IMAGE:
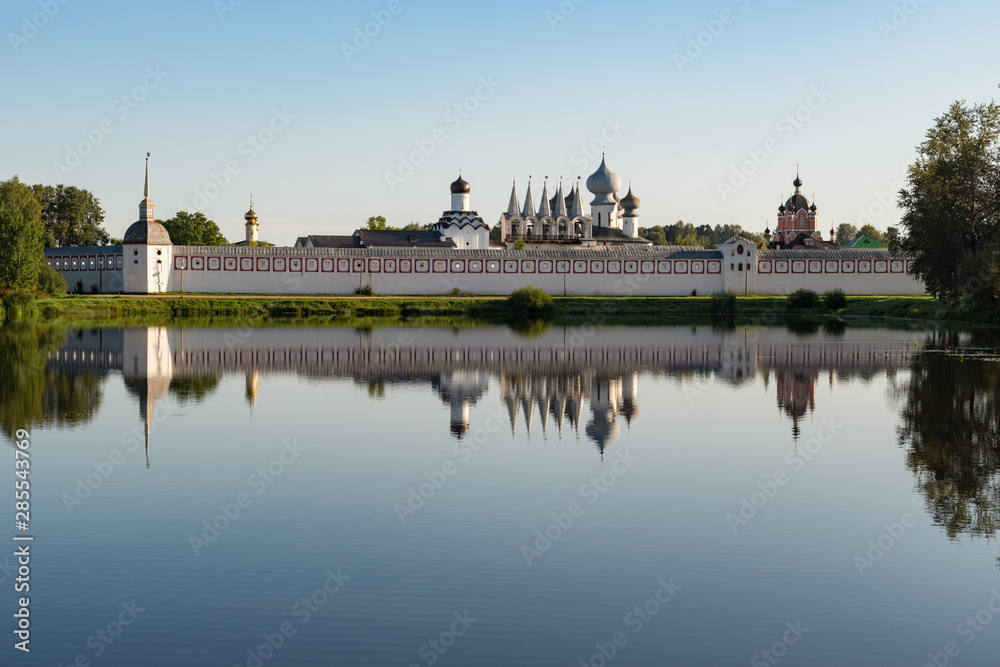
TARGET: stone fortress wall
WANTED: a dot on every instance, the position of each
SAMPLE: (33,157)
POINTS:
(656,271)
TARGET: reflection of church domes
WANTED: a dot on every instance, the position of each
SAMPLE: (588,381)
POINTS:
(796,396)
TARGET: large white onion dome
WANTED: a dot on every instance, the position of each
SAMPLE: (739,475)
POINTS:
(604,181)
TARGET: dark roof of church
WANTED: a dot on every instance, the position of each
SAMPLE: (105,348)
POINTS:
(615,235)
(386,238)
(330,241)
(804,241)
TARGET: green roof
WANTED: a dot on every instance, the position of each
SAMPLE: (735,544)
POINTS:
(864,242)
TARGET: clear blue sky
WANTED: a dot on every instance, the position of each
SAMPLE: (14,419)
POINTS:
(680,130)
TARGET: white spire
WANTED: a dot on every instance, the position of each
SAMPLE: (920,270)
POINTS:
(146,205)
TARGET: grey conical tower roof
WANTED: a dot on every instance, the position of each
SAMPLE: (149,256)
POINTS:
(513,206)
(545,211)
(529,204)
(577,210)
(560,211)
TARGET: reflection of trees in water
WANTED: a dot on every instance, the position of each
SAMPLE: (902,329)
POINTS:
(951,429)
(193,389)
(32,396)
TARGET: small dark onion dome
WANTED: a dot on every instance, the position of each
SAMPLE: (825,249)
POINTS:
(797,182)
(460,187)
(146,233)
(767,231)
(631,202)
(813,208)
(782,209)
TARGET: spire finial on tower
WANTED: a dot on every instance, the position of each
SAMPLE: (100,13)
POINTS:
(146,189)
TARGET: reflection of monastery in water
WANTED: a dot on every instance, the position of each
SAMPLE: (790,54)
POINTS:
(562,383)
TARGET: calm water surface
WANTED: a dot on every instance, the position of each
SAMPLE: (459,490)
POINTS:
(655,496)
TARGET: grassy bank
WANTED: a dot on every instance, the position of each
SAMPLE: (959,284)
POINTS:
(456,310)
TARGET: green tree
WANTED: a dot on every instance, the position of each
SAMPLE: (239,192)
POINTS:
(950,205)
(846,232)
(416,227)
(72,217)
(894,240)
(949,426)
(654,234)
(21,233)
(377,223)
(193,229)
(874,233)
(723,232)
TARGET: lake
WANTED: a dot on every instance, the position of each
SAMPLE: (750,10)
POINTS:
(484,496)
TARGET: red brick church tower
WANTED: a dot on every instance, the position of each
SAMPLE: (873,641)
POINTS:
(797,223)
